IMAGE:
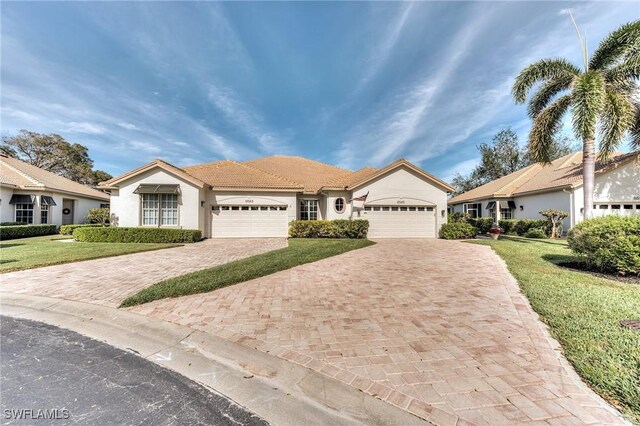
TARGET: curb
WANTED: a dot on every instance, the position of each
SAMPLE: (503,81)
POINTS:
(280,392)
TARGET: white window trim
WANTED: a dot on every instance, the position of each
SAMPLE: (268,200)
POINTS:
(344,205)
(317,211)
(15,212)
(159,212)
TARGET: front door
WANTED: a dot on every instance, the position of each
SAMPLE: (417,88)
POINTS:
(67,211)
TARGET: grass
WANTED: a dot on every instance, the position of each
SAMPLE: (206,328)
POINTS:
(583,313)
(27,253)
(299,251)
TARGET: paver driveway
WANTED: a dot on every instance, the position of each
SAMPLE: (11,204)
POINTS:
(109,281)
(435,327)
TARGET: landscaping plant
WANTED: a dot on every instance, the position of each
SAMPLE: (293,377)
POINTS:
(114,234)
(457,231)
(25,231)
(98,215)
(339,228)
(608,243)
(555,220)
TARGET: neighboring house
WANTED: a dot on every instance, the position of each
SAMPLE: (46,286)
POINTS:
(259,198)
(522,194)
(34,195)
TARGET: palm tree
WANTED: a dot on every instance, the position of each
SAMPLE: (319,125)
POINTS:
(603,97)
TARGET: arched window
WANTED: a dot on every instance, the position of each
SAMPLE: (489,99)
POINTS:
(339,205)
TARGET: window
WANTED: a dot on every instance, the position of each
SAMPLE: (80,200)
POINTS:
(44,213)
(628,206)
(339,205)
(24,213)
(615,206)
(104,205)
(473,210)
(308,209)
(603,206)
(159,209)
(506,213)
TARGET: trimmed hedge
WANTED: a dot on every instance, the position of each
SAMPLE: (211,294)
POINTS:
(457,231)
(522,226)
(13,223)
(482,224)
(114,234)
(26,231)
(535,233)
(68,229)
(339,228)
(608,243)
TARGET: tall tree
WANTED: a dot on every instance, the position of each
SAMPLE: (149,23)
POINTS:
(504,155)
(53,153)
(599,97)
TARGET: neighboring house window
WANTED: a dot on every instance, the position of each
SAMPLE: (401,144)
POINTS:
(159,209)
(44,214)
(506,213)
(339,205)
(24,213)
(104,205)
(473,210)
(308,209)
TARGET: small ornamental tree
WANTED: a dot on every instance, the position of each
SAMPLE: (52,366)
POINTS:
(555,219)
(98,215)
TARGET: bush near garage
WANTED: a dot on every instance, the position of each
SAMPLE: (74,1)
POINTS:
(68,229)
(25,231)
(339,228)
(608,243)
(135,235)
(458,217)
(482,224)
(457,231)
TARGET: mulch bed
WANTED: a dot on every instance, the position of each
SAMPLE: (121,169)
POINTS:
(583,267)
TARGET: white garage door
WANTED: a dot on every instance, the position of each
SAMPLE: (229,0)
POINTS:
(249,221)
(400,222)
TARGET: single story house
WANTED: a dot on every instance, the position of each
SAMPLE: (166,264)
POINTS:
(34,195)
(522,194)
(259,198)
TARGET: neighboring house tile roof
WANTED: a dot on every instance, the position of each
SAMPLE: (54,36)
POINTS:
(231,174)
(26,176)
(312,175)
(273,173)
(563,172)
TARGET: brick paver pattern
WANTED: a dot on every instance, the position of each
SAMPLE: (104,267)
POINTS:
(108,281)
(438,328)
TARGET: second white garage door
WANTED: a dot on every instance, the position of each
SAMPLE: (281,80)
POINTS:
(249,221)
(400,222)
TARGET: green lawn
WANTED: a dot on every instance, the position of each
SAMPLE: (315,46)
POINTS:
(583,312)
(27,253)
(299,251)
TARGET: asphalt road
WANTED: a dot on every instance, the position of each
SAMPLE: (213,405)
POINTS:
(62,375)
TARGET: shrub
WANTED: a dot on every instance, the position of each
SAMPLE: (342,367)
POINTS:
(340,228)
(135,235)
(608,243)
(482,224)
(522,226)
(458,217)
(536,233)
(457,231)
(554,218)
(68,229)
(25,231)
(13,223)
(508,225)
(98,215)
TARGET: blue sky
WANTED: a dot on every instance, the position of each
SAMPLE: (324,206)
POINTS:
(351,84)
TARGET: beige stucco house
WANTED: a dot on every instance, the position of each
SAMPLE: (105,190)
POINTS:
(33,195)
(522,194)
(259,198)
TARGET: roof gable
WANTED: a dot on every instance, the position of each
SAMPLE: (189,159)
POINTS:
(114,182)
(27,176)
(395,165)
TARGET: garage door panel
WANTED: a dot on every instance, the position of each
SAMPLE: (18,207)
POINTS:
(400,222)
(236,222)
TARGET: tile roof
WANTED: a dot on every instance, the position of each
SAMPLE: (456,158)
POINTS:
(346,180)
(231,174)
(155,163)
(561,173)
(27,176)
(312,175)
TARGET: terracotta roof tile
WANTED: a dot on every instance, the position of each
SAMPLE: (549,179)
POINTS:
(27,176)
(346,180)
(231,174)
(312,175)
(563,172)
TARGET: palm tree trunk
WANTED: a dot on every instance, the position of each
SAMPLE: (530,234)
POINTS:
(588,174)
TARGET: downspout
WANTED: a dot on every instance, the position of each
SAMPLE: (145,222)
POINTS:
(572,210)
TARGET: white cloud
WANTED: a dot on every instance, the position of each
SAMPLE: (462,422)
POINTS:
(128,126)
(84,127)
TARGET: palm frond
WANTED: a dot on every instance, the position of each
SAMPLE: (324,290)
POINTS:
(628,70)
(545,126)
(546,93)
(635,127)
(616,119)
(588,98)
(543,70)
(616,45)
